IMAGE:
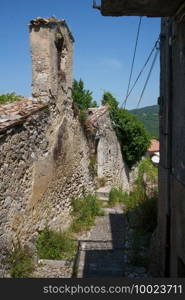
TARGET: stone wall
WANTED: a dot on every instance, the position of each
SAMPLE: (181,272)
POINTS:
(45,156)
(45,150)
(39,178)
(110,163)
(20,147)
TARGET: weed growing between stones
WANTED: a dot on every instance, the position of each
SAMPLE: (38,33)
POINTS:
(116,196)
(21,262)
(101,182)
(55,245)
(93,165)
(61,245)
(84,211)
(139,198)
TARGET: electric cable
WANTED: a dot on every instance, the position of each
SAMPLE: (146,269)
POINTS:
(134,55)
(140,73)
(148,77)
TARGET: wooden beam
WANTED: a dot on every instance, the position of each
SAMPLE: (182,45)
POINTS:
(150,8)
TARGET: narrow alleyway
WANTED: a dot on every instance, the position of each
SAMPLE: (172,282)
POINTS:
(102,253)
(107,250)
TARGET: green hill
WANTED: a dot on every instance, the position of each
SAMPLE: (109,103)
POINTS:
(149,116)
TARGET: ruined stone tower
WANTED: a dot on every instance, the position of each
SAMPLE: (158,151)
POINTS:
(52,52)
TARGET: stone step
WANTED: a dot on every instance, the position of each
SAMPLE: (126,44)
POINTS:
(102,198)
(55,263)
(102,245)
(103,193)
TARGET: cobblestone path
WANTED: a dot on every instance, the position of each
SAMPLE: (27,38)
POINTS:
(101,253)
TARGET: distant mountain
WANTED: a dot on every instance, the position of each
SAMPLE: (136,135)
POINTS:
(149,116)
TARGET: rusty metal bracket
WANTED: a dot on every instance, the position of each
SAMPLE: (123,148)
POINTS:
(95,5)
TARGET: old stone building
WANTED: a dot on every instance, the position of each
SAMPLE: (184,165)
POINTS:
(45,151)
(169,254)
(44,159)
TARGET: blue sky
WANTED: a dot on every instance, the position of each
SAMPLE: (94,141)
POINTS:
(103,48)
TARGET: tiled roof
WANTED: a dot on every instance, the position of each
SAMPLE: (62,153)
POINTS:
(15,112)
(96,113)
(154,146)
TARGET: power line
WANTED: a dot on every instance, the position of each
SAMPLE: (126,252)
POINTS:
(133,60)
(140,73)
(148,77)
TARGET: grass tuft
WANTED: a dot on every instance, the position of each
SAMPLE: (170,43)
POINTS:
(55,245)
(61,245)
(21,262)
(93,165)
(84,212)
(116,196)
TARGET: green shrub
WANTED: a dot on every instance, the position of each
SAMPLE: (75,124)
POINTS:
(55,245)
(9,97)
(134,199)
(131,133)
(146,167)
(84,212)
(116,196)
(138,197)
(21,262)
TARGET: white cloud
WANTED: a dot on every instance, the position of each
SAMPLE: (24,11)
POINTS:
(111,63)
(106,63)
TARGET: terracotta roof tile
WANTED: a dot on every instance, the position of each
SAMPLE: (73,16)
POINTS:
(11,113)
(154,146)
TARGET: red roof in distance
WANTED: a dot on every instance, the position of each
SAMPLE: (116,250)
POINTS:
(154,146)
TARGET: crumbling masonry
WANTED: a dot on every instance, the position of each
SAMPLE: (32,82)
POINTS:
(45,152)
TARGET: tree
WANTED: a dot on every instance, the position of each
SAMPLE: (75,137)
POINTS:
(10,97)
(133,137)
(109,100)
(82,97)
